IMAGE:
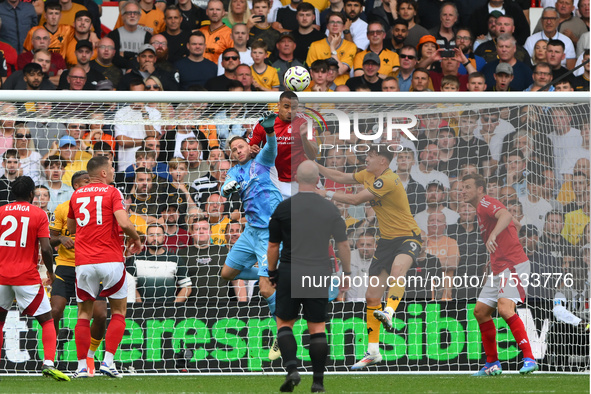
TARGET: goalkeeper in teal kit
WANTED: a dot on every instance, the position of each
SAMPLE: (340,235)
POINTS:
(255,180)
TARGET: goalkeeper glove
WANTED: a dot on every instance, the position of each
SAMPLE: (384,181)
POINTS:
(231,187)
(273,276)
(268,122)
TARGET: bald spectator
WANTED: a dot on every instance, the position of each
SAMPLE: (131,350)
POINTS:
(550,20)
(83,55)
(176,37)
(41,40)
(506,48)
(218,37)
(104,61)
(445,248)
(240,38)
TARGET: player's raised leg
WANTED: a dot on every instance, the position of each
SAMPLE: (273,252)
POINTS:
(373,298)
(401,265)
(488,332)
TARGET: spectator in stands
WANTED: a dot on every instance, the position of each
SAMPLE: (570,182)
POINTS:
(436,197)
(285,47)
(236,111)
(503,77)
(218,37)
(480,17)
(161,275)
(11,168)
(44,133)
(407,10)
(492,30)
(464,42)
(196,69)
(388,58)
(191,150)
(262,30)
(361,257)
(542,265)
(17,19)
(104,61)
(445,33)
(84,53)
(177,237)
(40,40)
(427,47)
(506,47)
(29,158)
(129,38)
(82,32)
(488,50)
(265,77)
(581,83)
(399,34)
(147,67)
(449,66)
(217,217)
(539,55)
(552,242)
(306,34)
(564,137)
(57,31)
(445,248)
(177,190)
(160,43)
(240,38)
(476,82)
(370,77)
(420,80)
(16,80)
(42,198)
(425,171)
(96,132)
(513,170)
(346,49)
(205,262)
(129,136)
(355,28)
(54,169)
(405,160)
(575,222)
(550,20)
(238,12)
(492,130)
(390,84)
(192,15)
(152,18)
(142,200)
(230,59)
(333,6)
(555,58)
(580,186)
(565,85)
(175,36)
(33,76)
(448,153)
(201,188)
(534,206)
(75,159)
(408,62)
(542,76)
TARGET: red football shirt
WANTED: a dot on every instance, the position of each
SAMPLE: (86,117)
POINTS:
(97,232)
(21,226)
(290,150)
(509,252)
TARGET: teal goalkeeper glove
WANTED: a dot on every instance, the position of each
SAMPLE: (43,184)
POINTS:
(268,122)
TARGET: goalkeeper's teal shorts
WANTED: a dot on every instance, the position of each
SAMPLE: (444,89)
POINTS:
(250,248)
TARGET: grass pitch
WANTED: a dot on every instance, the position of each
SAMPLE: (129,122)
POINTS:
(345,383)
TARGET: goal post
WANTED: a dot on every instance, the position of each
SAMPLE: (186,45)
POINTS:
(513,139)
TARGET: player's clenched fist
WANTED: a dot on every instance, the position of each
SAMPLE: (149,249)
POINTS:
(231,187)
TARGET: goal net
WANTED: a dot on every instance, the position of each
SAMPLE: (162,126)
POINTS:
(182,317)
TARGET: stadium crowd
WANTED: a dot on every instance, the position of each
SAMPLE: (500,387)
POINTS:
(348,45)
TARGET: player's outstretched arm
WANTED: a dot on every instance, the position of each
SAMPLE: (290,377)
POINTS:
(133,244)
(348,198)
(47,256)
(336,175)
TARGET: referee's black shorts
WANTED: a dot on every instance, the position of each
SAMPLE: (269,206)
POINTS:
(65,283)
(288,308)
(388,249)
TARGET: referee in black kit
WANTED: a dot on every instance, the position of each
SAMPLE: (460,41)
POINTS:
(305,223)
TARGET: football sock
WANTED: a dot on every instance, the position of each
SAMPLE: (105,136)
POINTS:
(114,335)
(48,338)
(94,344)
(395,294)
(488,331)
(518,330)
(373,325)
(288,346)
(318,352)
(82,339)
(271,302)
(251,273)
